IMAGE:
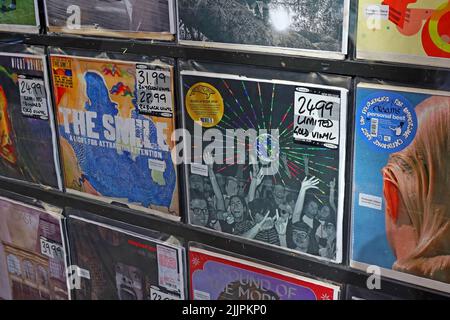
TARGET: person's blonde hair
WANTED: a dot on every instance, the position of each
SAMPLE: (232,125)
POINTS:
(421,175)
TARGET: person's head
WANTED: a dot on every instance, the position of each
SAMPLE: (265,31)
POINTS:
(311,209)
(330,227)
(196,182)
(300,236)
(198,209)
(238,208)
(259,209)
(232,186)
(416,187)
(279,192)
(324,213)
(241,187)
(285,210)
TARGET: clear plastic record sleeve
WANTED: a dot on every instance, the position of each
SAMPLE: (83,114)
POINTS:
(19,16)
(218,275)
(28,141)
(306,27)
(401,183)
(115,261)
(265,158)
(32,250)
(115,117)
(139,19)
(414,32)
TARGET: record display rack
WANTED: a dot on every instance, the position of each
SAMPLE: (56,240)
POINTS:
(435,78)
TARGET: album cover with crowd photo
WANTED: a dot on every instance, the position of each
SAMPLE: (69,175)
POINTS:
(401,184)
(139,19)
(117,264)
(27,135)
(409,31)
(216,276)
(32,253)
(115,119)
(266,160)
(19,16)
(305,27)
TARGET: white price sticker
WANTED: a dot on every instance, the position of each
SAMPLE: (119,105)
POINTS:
(51,249)
(316,116)
(154,96)
(157,165)
(168,274)
(33,97)
(157,294)
(199,169)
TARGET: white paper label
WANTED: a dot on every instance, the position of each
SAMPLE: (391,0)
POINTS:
(200,169)
(316,116)
(154,96)
(168,275)
(33,98)
(51,249)
(370,201)
(157,294)
(200,295)
(83,273)
(157,165)
(377,12)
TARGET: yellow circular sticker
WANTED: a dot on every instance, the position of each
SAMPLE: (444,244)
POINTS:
(204,104)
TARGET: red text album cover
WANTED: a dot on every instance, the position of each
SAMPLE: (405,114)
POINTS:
(115,120)
(19,16)
(409,31)
(32,254)
(215,276)
(28,149)
(139,19)
(266,160)
(401,188)
(115,264)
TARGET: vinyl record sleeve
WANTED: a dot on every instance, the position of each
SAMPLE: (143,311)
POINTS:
(139,19)
(306,27)
(285,178)
(407,31)
(32,253)
(115,132)
(28,139)
(19,16)
(357,293)
(215,276)
(115,264)
(401,184)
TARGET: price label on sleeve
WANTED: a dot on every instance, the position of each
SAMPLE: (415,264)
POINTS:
(51,249)
(317,116)
(33,98)
(154,96)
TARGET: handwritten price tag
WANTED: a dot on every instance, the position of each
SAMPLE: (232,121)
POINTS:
(51,249)
(316,116)
(154,96)
(33,98)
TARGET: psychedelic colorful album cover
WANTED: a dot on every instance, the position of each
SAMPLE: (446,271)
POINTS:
(32,255)
(215,276)
(114,264)
(19,16)
(409,31)
(140,19)
(27,135)
(304,27)
(267,160)
(401,191)
(115,120)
